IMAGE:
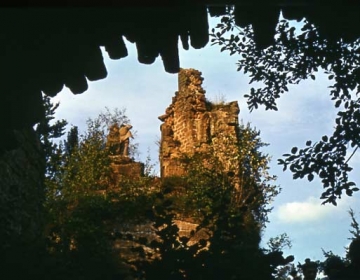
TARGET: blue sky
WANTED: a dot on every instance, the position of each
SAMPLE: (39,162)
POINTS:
(305,113)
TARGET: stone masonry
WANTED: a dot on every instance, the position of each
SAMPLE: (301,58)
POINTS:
(191,124)
(127,167)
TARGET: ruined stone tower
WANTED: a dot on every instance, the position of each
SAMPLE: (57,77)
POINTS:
(191,124)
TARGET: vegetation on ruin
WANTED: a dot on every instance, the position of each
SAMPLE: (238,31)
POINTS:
(88,213)
(86,210)
(83,203)
(230,208)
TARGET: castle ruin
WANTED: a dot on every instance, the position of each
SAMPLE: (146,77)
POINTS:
(191,124)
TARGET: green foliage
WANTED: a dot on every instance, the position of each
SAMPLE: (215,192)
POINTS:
(355,229)
(295,56)
(85,202)
(234,204)
(72,142)
(282,268)
(47,132)
(231,251)
(247,174)
(336,267)
(88,211)
(171,257)
(279,242)
(230,205)
(75,211)
(333,266)
(254,167)
(75,243)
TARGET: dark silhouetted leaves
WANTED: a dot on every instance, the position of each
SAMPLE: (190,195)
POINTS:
(296,56)
(310,177)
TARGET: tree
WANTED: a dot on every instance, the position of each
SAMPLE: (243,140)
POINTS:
(229,203)
(355,231)
(86,205)
(283,267)
(83,163)
(47,132)
(71,144)
(87,211)
(297,55)
(21,199)
(247,172)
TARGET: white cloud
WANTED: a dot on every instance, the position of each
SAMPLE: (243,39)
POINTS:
(309,210)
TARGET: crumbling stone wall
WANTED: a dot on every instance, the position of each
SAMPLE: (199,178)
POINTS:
(125,166)
(191,124)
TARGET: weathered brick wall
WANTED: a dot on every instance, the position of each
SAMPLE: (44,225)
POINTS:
(191,124)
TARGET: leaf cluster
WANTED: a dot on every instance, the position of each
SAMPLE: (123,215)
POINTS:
(295,56)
